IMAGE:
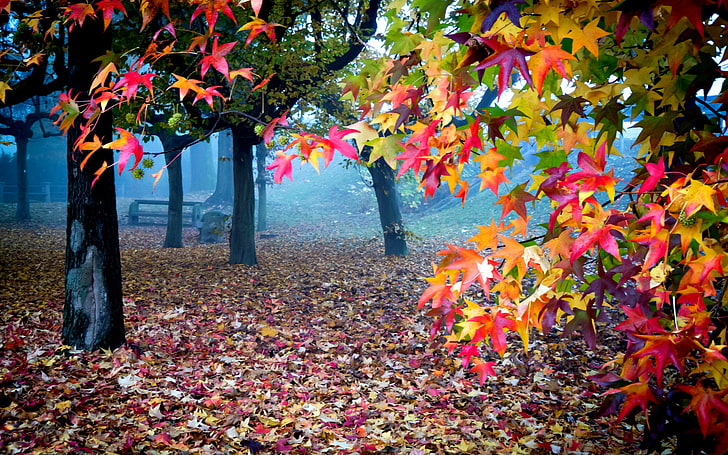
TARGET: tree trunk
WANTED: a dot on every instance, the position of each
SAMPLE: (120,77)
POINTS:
(22,210)
(390,215)
(93,311)
(242,234)
(261,152)
(223,194)
(172,148)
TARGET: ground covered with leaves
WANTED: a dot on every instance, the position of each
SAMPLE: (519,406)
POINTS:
(319,349)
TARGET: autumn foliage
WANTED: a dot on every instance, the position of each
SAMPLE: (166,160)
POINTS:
(645,254)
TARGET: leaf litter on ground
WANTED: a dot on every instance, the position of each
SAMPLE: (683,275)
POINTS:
(318,349)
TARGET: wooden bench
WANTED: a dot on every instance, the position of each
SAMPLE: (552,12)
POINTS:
(40,192)
(194,213)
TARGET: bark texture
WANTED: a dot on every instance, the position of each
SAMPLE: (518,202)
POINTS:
(389,204)
(242,234)
(93,311)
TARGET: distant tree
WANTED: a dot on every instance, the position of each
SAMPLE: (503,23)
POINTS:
(223,194)
(21,129)
(261,182)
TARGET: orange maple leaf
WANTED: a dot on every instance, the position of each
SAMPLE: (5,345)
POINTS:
(550,57)
(258,26)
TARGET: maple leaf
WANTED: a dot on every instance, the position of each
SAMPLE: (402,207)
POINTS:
(263,83)
(655,173)
(506,58)
(68,111)
(130,81)
(184,85)
(128,146)
(483,370)
(515,201)
(492,178)
(282,165)
(586,37)
(644,9)
(4,88)
(433,174)
(696,196)
(245,73)
(601,236)
(77,13)
(107,8)
(570,105)
(665,349)
(150,8)
(637,394)
(692,10)
(212,10)
(512,253)
(708,405)
(548,58)
(336,138)
(509,7)
(269,129)
(207,94)
(258,26)
(217,59)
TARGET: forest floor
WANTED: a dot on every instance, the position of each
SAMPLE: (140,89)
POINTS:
(318,349)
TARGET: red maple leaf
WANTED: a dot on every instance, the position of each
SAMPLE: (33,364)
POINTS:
(282,165)
(107,8)
(77,13)
(212,9)
(269,130)
(129,83)
(482,369)
(127,145)
(506,57)
(637,394)
(665,349)
(217,59)
(655,173)
(708,405)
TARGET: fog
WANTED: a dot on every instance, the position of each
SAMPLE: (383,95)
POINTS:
(337,202)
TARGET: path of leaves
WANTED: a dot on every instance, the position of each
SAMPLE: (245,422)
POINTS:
(319,349)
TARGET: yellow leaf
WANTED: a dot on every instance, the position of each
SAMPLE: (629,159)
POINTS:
(365,134)
(4,87)
(268,331)
(63,405)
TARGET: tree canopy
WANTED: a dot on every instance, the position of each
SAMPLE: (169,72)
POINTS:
(643,253)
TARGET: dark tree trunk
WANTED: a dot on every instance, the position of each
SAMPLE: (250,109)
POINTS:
(261,152)
(173,146)
(242,234)
(223,194)
(390,215)
(93,312)
(22,210)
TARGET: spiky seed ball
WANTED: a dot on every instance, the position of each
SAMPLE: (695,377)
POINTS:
(147,163)
(258,129)
(174,120)
(686,221)
(130,118)
(137,173)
